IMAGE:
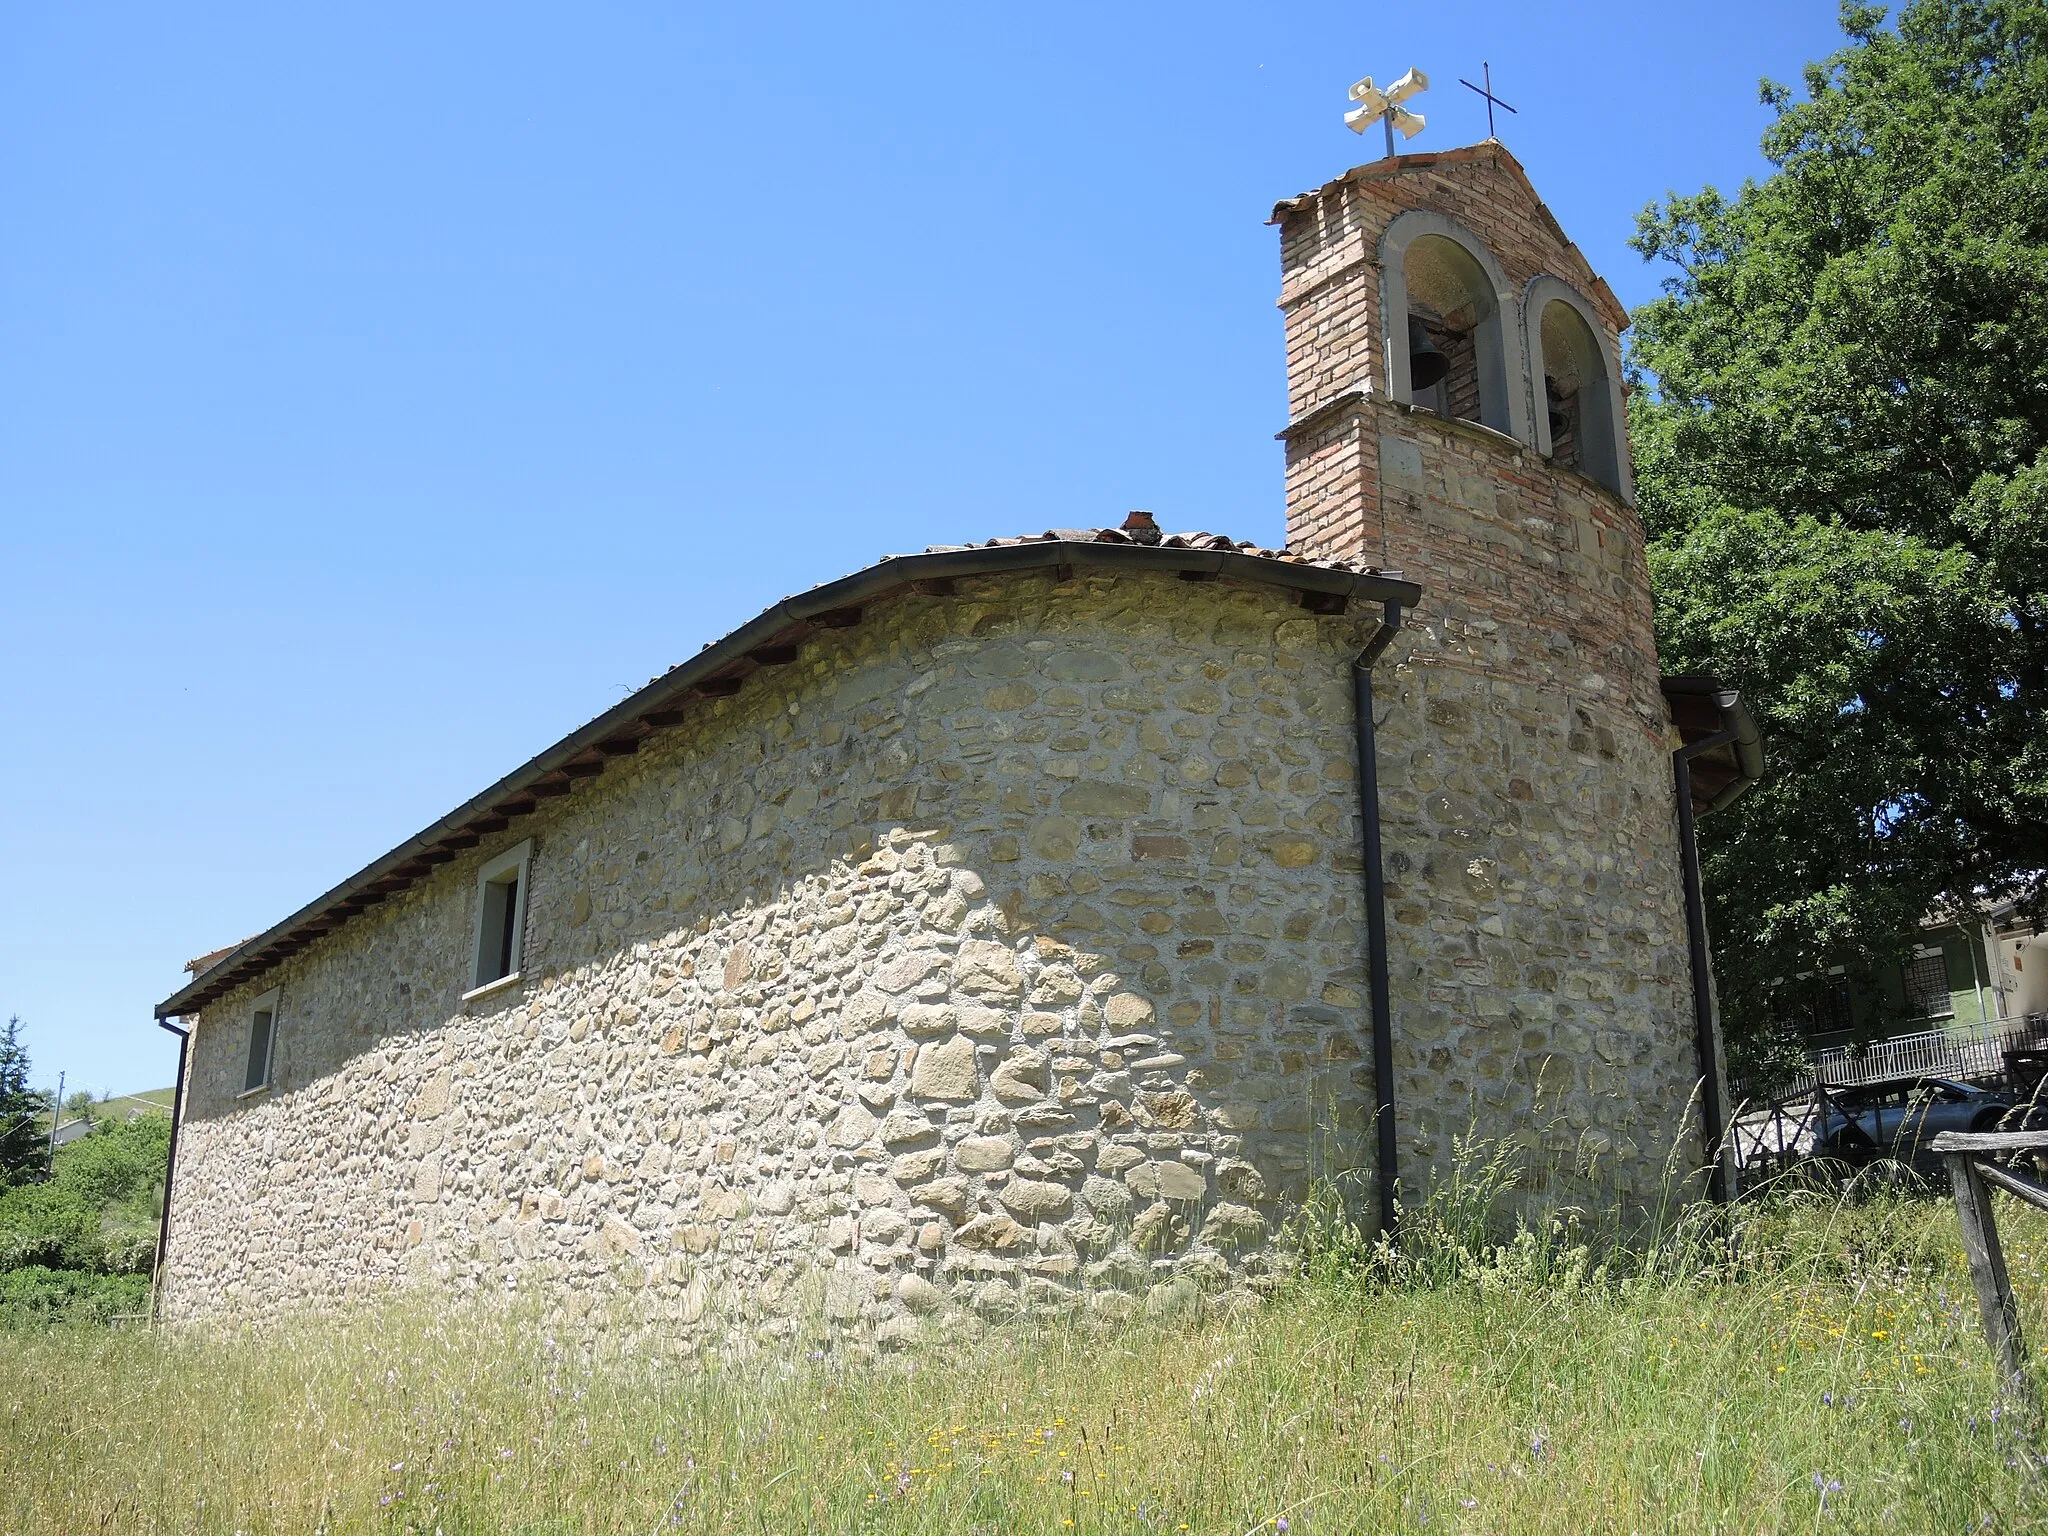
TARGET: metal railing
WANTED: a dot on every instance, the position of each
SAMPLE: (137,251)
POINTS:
(1971,1053)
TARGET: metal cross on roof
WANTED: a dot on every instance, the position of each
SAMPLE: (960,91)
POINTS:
(1492,100)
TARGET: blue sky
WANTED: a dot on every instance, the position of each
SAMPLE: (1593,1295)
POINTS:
(386,389)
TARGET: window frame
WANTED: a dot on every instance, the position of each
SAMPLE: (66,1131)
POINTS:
(1920,957)
(266,1004)
(518,861)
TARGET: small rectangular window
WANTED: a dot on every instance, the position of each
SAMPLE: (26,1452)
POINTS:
(262,1042)
(1927,994)
(500,917)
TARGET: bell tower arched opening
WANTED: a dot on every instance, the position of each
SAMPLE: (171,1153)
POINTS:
(1445,304)
(1578,401)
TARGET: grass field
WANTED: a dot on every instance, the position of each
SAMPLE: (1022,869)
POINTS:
(1833,1379)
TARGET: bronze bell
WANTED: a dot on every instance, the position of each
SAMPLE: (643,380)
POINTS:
(1426,363)
(1554,399)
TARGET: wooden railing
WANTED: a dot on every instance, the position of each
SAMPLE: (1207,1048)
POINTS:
(1777,1135)
(1974,1175)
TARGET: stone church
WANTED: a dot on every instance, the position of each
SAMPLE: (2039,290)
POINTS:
(1031,922)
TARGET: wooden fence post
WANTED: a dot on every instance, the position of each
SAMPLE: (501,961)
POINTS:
(1987,1273)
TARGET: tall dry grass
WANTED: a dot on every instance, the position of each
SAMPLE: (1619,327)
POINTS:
(1817,1367)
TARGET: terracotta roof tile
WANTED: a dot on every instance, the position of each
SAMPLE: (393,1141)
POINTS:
(1134,532)
(211,958)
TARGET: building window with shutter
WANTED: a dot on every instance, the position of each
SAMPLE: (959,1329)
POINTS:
(262,1043)
(500,920)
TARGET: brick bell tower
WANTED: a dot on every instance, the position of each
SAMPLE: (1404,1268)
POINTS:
(1455,414)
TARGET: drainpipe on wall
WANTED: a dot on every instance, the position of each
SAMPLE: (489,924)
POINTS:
(1376,913)
(163,1231)
(1705,1042)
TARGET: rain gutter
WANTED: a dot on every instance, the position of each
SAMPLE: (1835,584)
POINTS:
(163,1230)
(1388,1165)
(1739,731)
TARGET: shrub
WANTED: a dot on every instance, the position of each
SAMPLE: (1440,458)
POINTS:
(36,1296)
(98,1215)
(120,1163)
(51,1226)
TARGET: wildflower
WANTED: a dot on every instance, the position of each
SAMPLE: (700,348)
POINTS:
(1280,1523)
(1826,1485)
(1538,1446)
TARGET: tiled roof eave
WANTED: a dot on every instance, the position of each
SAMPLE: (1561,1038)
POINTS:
(718,670)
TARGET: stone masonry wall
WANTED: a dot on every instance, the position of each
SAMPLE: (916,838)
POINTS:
(1541,936)
(1536,909)
(1001,949)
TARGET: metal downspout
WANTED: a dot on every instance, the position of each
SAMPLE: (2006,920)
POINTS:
(1702,977)
(163,1231)
(1376,915)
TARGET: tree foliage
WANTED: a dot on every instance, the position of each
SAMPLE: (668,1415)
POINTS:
(1841,427)
(75,1245)
(21,1137)
(121,1163)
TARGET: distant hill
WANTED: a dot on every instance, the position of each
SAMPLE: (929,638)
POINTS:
(111,1111)
(153,1101)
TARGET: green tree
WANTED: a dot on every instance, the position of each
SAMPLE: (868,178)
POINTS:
(123,1162)
(22,1139)
(49,1225)
(1841,427)
(99,1211)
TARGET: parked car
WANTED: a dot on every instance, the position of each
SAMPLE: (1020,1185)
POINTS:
(1896,1118)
